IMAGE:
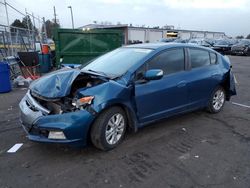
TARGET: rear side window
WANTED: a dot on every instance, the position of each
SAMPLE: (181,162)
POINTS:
(199,58)
(170,61)
(213,58)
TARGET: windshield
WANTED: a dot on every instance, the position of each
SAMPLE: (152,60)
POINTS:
(117,62)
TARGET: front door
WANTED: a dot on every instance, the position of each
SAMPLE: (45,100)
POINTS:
(156,99)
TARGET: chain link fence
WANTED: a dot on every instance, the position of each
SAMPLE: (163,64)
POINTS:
(17,39)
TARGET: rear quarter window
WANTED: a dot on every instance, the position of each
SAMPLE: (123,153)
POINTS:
(213,58)
(199,58)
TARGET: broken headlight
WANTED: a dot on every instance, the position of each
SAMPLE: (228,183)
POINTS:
(83,102)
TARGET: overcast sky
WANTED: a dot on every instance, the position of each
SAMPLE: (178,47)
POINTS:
(229,16)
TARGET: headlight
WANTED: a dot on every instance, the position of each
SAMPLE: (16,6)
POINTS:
(82,102)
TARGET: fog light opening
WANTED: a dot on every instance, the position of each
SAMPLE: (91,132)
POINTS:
(59,135)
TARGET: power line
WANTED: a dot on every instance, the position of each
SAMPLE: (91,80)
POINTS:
(15,9)
(15,3)
(21,12)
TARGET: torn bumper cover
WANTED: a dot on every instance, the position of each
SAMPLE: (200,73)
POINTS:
(38,124)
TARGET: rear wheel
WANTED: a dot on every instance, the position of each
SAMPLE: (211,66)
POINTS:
(217,100)
(109,128)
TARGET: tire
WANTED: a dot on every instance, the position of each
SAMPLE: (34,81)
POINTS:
(109,129)
(217,100)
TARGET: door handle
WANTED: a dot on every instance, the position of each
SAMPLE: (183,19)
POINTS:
(182,84)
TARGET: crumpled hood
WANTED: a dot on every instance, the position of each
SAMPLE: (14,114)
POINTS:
(56,84)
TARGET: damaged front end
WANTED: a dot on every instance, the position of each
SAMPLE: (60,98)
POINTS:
(53,111)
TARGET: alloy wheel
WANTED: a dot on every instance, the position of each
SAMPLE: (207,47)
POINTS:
(115,128)
(218,99)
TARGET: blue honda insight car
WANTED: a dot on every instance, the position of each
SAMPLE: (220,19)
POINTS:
(125,89)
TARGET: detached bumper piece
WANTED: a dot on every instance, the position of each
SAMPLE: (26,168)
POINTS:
(69,128)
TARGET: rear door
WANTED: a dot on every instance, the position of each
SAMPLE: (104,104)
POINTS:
(205,75)
(159,98)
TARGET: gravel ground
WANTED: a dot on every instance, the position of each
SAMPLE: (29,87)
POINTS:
(197,149)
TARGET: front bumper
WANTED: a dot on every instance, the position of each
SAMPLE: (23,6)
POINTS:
(37,124)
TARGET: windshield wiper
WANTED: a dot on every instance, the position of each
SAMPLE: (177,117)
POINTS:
(99,72)
(109,76)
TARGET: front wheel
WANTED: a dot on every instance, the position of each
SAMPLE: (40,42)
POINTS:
(217,100)
(109,128)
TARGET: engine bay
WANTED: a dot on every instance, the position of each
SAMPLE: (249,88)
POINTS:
(65,104)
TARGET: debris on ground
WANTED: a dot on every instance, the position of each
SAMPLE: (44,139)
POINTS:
(26,165)
(184,157)
(106,181)
(20,81)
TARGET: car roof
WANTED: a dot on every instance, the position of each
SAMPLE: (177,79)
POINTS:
(163,45)
(147,45)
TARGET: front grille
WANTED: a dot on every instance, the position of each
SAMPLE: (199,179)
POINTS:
(30,105)
(34,105)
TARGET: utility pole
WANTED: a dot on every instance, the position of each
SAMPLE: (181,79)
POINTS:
(34,23)
(8,22)
(28,25)
(55,14)
(39,30)
(45,30)
(39,25)
(33,29)
(72,19)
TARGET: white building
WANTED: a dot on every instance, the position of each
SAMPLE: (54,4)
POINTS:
(142,34)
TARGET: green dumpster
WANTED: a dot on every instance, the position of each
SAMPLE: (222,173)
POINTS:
(75,46)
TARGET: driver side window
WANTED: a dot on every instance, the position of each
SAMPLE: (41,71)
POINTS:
(170,61)
(140,72)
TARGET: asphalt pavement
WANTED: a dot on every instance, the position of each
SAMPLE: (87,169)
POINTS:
(197,149)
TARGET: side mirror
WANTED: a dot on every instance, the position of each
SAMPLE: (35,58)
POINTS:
(153,74)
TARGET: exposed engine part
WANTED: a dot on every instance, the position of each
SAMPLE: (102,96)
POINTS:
(64,105)
(84,80)
(54,108)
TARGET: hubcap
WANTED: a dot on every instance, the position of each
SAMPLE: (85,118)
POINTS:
(115,128)
(218,100)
